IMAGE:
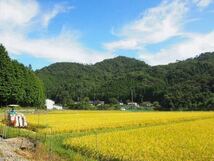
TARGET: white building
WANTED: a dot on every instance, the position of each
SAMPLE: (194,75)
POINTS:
(49,104)
(57,107)
(133,104)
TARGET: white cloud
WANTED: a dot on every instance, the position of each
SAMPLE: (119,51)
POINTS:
(57,49)
(129,44)
(155,25)
(162,23)
(17,13)
(58,8)
(20,18)
(203,3)
(194,45)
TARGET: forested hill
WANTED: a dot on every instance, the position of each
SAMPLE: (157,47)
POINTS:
(18,84)
(185,84)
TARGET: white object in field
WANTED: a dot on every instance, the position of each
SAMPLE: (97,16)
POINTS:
(17,121)
(13,105)
(123,109)
(57,107)
(20,120)
(133,104)
(49,104)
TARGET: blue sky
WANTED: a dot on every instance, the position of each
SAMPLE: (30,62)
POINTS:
(39,32)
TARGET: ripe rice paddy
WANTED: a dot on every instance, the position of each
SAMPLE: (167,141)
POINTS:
(192,140)
(127,136)
(76,121)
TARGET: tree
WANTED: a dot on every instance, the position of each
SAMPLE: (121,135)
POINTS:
(18,84)
(113,101)
(85,100)
(5,76)
(184,85)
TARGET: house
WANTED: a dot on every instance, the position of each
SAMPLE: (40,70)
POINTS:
(135,104)
(57,107)
(98,102)
(49,104)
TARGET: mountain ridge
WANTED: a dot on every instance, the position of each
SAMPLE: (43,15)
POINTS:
(118,77)
(120,57)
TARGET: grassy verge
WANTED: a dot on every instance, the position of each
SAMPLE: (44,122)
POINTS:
(42,154)
(55,145)
(47,146)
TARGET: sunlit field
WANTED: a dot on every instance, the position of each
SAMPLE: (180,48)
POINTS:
(124,135)
(193,140)
(1,118)
(74,121)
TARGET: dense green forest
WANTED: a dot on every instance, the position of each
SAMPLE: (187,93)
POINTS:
(18,84)
(184,85)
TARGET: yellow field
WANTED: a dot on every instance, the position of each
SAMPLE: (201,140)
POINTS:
(130,136)
(70,121)
(185,141)
(1,118)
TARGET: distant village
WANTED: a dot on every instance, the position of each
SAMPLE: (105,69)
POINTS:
(51,105)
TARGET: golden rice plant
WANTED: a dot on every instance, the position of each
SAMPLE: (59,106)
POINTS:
(70,121)
(186,141)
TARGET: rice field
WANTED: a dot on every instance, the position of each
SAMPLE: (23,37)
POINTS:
(123,135)
(1,118)
(76,121)
(192,140)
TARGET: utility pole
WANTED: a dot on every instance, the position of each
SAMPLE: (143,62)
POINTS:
(94,99)
(132,91)
(132,99)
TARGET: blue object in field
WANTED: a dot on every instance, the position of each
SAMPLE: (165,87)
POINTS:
(12,112)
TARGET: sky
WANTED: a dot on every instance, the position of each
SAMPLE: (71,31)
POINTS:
(42,32)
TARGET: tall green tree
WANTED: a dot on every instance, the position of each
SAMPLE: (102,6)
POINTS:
(18,84)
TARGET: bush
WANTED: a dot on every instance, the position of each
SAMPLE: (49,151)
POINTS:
(113,101)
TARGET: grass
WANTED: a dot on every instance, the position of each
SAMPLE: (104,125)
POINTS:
(42,153)
(51,145)
(1,154)
(55,144)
